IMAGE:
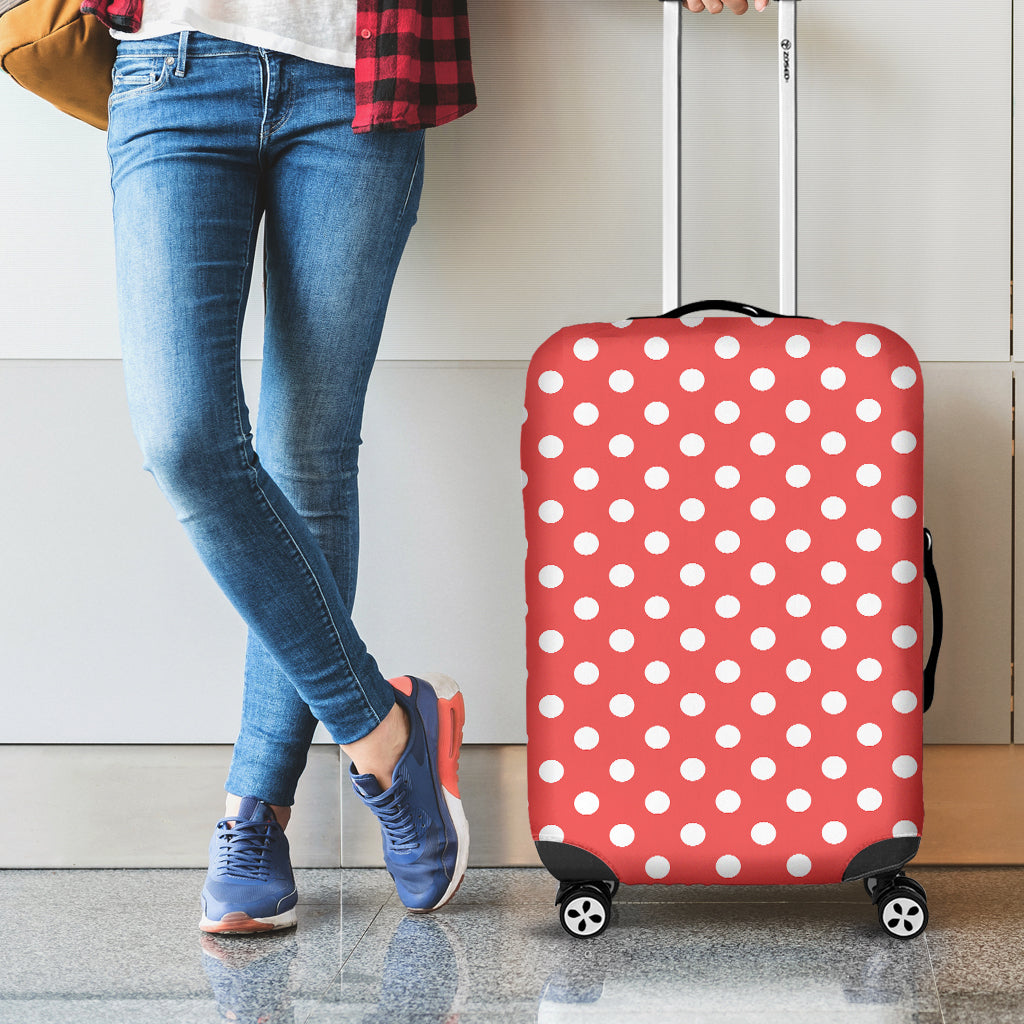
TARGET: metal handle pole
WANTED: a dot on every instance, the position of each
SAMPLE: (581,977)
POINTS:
(787,157)
(671,259)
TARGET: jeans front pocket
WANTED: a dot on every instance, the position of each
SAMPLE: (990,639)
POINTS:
(134,75)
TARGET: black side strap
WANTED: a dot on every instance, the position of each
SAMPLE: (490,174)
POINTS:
(933,586)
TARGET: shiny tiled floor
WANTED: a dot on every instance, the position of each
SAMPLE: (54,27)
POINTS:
(122,946)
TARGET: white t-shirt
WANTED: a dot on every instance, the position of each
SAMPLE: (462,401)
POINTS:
(320,30)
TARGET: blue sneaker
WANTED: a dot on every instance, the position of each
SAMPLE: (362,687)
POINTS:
(426,836)
(250,886)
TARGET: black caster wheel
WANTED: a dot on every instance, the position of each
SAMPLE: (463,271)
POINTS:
(585,911)
(903,911)
(913,884)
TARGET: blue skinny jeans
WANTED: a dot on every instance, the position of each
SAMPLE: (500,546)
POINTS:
(207,137)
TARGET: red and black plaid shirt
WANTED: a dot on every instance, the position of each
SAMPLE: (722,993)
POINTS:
(413,68)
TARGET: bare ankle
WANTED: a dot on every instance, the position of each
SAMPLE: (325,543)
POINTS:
(378,753)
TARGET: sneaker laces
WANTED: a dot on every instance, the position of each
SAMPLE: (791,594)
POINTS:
(395,815)
(244,848)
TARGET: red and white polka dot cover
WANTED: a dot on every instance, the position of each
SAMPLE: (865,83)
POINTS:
(724,587)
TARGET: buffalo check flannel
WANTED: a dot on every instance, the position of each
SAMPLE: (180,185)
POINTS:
(413,67)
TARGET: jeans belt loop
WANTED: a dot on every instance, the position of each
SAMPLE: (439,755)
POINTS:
(179,69)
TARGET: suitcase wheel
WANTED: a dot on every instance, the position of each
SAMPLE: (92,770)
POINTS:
(584,909)
(903,908)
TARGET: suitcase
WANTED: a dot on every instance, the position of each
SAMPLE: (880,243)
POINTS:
(724,576)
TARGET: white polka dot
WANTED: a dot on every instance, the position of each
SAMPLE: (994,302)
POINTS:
(869,799)
(798,540)
(833,443)
(727,412)
(798,346)
(798,735)
(585,543)
(691,445)
(692,639)
(621,510)
(656,477)
(869,540)
(868,345)
(656,607)
(551,641)
(621,705)
(833,767)
(904,572)
(657,802)
(621,640)
(585,349)
(869,670)
(904,442)
(833,638)
(904,637)
(799,671)
(798,476)
(727,736)
(727,606)
(904,702)
(763,768)
(551,771)
(621,381)
(550,576)
(833,572)
(692,510)
(727,542)
(586,738)
(621,835)
(834,702)
(833,378)
(551,706)
(904,766)
(692,834)
(621,446)
(727,866)
(692,769)
(728,801)
(656,413)
(762,704)
(586,608)
(727,671)
(798,606)
(798,800)
(727,477)
(762,444)
(833,508)
(657,542)
(550,382)
(763,833)
(868,475)
(621,770)
(762,379)
(798,411)
(656,673)
(762,509)
(691,380)
(692,574)
(585,414)
(904,377)
(657,867)
(868,410)
(905,828)
(550,511)
(904,507)
(550,446)
(586,803)
(656,348)
(551,834)
(727,347)
(762,573)
(869,735)
(763,639)
(621,575)
(657,737)
(799,865)
(869,604)
(834,833)
(692,705)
